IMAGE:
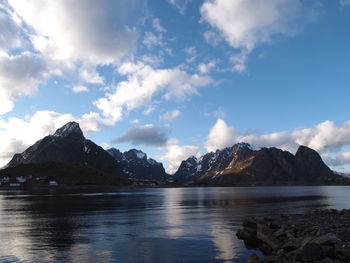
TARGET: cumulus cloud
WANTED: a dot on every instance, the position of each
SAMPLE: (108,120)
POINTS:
(338,160)
(19,76)
(170,115)
(175,154)
(143,83)
(220,136)
(88,75)
(65,38)
(10,34)
(80,89)
(205,68)
(92,32)
(324,137)
(151,40)
(327,138)
(145,135)
(192,54)
(245,24)
(14,139)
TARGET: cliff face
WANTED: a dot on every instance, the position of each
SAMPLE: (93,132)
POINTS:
(68,145)
(311,166)
(242,164)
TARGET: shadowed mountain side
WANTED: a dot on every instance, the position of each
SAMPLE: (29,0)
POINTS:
(68,145)
(136,165)
(242,164)
(62,173)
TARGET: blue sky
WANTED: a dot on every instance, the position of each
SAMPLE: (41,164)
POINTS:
(179,77)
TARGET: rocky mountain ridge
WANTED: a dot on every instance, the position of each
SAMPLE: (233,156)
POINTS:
(68,145)
(136,165)
(243,164)
(240,164)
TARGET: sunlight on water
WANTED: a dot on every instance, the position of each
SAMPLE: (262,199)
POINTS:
(144,225)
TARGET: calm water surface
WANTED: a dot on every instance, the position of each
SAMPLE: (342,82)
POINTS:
(144,225)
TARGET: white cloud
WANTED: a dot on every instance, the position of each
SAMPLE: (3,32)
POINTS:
(152,60)
(326,137)
(180,5)
(212,38)
(19,76)
(66,38)
(149,110)
(157,26)
(151,40)
(18,134)
(10,33)
(220,136)
(245,24)
(143,83)
(93,32)
(80,89)
(90,76)
(175,154)
(14,139)
(239,61)
(339,160)
(192,53)
(92,122)
(205,68)
(170,115)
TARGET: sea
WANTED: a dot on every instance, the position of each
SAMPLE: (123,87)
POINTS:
(158,225)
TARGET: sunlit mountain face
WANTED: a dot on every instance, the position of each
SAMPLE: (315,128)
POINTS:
(177,78)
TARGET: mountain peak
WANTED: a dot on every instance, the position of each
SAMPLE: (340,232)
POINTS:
(136,153)
(71,129)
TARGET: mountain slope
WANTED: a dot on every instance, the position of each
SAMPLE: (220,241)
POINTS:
(39,174)
(241,164)
(136,165)
(68,145)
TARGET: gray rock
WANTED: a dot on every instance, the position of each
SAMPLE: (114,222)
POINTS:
(311,252)
(327,239)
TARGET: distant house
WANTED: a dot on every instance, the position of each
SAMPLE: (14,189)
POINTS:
(53,183)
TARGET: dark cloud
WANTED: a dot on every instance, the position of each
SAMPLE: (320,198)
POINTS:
(145,135)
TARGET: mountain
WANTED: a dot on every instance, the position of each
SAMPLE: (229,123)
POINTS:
(40,174)
(68,145)
(242,164)
(136,165)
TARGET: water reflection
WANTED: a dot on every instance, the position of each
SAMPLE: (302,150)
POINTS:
(144,225)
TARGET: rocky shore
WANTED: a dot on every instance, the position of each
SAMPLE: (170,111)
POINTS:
(320,236)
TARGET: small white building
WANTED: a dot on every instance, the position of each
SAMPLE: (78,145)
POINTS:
(53,183)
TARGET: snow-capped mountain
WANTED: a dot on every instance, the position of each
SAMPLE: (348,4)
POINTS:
(210,163)
(136,165)
(243,164)
(68,145)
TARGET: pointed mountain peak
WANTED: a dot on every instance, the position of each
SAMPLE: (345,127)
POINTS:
(304,150)
(136,153)
(71,129)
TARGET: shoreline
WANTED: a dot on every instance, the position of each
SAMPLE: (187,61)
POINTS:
(99,186)
(320,236)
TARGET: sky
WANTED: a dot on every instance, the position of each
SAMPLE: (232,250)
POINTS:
(177,78)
